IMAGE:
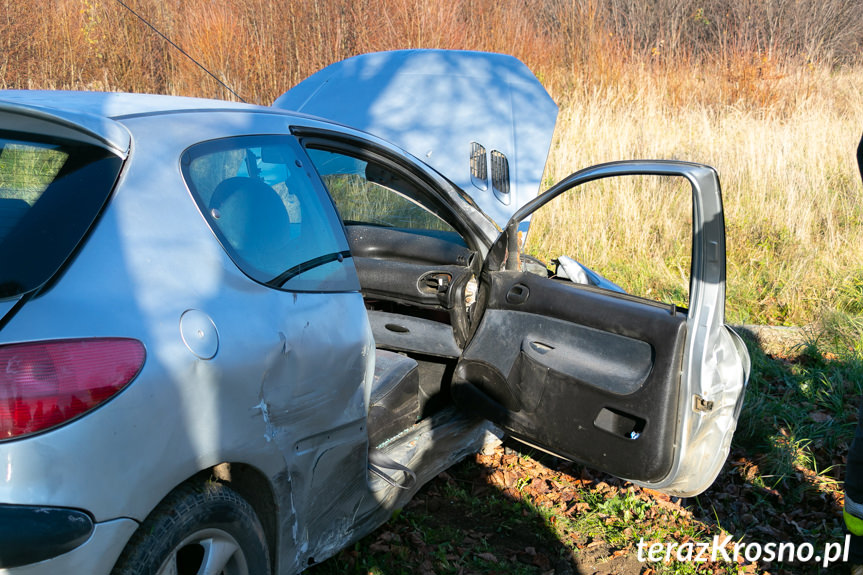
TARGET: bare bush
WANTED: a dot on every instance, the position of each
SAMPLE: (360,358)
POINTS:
(828,31)
(262,47)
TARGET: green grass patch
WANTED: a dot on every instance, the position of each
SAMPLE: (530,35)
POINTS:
(26,170)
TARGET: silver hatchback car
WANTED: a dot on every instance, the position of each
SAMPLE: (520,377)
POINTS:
(235,338)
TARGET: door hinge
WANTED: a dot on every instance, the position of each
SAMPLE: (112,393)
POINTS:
(702,404)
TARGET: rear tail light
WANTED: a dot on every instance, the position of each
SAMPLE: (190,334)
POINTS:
(45,384)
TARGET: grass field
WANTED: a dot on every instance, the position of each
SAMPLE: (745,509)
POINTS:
(791,188)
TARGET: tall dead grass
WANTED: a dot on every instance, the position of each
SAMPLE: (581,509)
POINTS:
(792,193)
(768,91)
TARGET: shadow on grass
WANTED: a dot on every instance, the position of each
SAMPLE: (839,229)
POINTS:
(480,517)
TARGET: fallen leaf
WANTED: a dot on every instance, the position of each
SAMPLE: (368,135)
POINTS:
(820,416)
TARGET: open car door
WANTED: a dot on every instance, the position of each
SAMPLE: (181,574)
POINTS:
(646,391)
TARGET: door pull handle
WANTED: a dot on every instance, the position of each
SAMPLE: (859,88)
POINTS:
(517,294)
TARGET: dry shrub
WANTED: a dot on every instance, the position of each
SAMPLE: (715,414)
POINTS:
(814,30)
(214,38)
(262,48)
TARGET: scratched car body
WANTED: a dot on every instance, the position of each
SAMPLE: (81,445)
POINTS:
(235,338)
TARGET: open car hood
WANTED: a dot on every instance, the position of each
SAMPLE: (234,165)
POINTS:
(482,120)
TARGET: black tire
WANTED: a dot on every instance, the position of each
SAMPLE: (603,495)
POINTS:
(194,525)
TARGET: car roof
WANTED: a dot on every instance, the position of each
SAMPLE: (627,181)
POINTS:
(97,117)
(115,105)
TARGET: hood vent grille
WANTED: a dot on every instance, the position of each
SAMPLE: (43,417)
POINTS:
(500,177)
(478,166)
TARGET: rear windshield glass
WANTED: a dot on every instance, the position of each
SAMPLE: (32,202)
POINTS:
(51,191)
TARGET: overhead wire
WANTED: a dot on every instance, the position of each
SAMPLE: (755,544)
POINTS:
(183,52)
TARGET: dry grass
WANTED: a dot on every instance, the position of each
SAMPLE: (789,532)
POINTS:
(791,189)
(767,91)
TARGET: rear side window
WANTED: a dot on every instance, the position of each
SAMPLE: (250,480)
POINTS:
(51,191)
(273,218)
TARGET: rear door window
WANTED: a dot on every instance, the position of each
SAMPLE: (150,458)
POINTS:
(271,214)
(51,191)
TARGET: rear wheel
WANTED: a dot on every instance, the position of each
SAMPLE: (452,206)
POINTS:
(199,529)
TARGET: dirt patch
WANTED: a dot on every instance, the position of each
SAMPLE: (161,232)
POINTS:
(776,340)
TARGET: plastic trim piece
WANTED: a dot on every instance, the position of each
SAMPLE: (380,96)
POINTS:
(30,534)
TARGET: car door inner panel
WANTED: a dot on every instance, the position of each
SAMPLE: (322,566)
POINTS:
(596,373)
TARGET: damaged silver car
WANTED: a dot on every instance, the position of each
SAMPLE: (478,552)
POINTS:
(235,338)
